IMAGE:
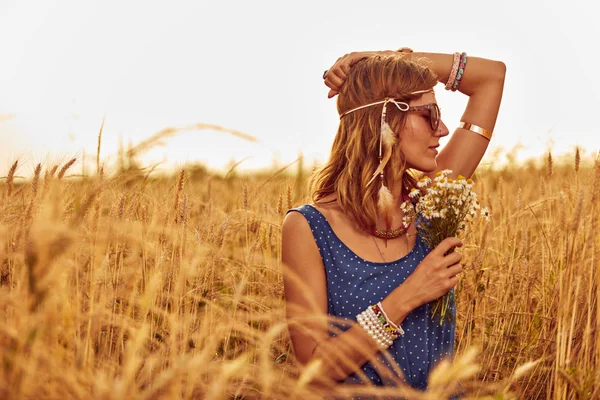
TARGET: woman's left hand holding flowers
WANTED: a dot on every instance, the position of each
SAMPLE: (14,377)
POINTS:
(337,74)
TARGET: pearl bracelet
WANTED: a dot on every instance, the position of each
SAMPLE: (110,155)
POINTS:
(376,323)
(374,329)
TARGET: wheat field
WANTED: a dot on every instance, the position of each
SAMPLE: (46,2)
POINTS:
(127,285)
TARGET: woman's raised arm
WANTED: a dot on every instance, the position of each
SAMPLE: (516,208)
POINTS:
(483,82)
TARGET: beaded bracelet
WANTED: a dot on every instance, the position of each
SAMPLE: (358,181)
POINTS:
(376,323)
(453,71)
(370,323)
(376,333)
(461,70)
(395,329)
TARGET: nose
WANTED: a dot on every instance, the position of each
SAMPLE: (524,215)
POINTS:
(442,130)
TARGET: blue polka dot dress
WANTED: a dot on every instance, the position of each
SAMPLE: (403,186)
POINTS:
(354,283)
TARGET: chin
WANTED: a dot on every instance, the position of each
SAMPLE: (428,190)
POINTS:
(423,166)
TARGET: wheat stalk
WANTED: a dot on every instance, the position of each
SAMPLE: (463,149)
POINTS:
(106,308)
(10,177)
(289,197)
(180,184)
(549,165)
(99,144)
(280,204)
(64,169)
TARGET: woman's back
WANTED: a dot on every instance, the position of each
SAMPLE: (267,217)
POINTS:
(354,283)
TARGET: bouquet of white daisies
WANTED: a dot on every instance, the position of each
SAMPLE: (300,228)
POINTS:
(445,207)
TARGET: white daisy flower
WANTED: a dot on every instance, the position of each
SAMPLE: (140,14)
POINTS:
(485,213)
(407,207)
(424,182)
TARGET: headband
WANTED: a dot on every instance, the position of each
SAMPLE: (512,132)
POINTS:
(385,101)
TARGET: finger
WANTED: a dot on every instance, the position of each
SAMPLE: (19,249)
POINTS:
(334,81)
(331,86)
(447,244)
(453,281)
(452,259)
(455,270)
(345,68)
(337,79)
(339,72)
(332,93)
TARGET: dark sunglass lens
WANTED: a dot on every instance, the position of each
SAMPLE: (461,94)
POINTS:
(434,117)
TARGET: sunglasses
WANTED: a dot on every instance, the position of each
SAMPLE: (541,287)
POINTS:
(433,109)
(435,113)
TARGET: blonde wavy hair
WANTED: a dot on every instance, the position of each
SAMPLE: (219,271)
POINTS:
(354,154)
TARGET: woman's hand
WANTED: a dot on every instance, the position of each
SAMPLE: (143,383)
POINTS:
(337,74)
(436,274)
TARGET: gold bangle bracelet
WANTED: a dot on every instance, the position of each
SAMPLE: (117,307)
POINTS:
(477,129)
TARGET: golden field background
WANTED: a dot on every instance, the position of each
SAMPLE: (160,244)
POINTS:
(127,285)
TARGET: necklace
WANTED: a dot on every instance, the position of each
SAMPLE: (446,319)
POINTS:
(384,234)
(378,249)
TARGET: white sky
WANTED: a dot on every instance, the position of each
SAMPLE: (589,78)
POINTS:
(256,67)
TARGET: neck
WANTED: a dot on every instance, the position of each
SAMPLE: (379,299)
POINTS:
(396,190)
(397,215)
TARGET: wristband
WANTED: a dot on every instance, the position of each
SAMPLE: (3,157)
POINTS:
(461,70)
(453,71)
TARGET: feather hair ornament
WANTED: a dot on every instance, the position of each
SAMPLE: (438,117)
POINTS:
(387,138)
(385,199)
(384,203)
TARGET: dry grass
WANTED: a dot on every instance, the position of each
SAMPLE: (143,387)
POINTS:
(135,287)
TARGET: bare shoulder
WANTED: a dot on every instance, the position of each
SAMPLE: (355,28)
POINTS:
(295,225)
(300,256)
(297,239)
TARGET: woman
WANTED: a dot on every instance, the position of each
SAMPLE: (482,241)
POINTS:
(353,254)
